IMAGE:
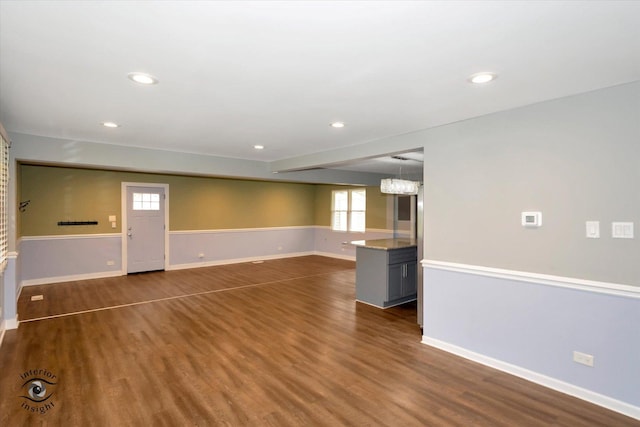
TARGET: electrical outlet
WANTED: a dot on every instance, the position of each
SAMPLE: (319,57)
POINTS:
(583,358)
(201,255)
(279,248)
(37,297)
(110,262)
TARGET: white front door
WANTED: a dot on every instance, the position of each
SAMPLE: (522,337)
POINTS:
(145,228)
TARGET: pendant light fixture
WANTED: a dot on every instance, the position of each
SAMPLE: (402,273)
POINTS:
(399,186)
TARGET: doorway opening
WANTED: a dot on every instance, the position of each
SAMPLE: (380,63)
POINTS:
(145,221)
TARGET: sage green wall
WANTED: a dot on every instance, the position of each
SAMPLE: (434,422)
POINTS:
(62,194)
(209,203)
(196,203)
(376,206)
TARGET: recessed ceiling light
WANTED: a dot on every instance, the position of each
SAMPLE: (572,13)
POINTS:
(337,125)
(142,78)
(484,77)
(110,125)
(259,147)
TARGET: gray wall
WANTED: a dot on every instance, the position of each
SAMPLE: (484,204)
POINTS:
(532,329)
(575,159)
(52,259)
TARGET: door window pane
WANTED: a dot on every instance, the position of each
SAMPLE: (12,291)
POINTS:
(146,202)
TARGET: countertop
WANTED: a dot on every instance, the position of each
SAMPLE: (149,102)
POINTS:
(385,244)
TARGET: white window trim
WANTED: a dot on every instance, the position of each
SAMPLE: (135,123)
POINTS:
(4,189)
(349,210)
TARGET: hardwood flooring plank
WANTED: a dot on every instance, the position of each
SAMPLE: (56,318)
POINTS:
(69,297)
(281,343)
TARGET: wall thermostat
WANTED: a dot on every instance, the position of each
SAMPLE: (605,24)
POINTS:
(531,219)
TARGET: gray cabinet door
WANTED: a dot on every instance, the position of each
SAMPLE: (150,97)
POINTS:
(402,280)
(410,280)
(394,289)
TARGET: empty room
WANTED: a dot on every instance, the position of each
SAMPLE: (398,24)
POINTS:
(288,213)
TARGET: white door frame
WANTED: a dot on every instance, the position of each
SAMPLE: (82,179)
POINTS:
(123,214)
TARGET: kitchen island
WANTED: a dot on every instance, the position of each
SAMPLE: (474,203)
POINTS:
(386,271)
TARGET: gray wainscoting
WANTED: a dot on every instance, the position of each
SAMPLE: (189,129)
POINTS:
(533,329)
(336,244)
(210,247)
(51,259)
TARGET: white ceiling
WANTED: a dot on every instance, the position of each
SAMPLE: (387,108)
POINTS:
(235,74)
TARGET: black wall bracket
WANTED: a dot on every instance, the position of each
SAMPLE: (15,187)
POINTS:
(77,222)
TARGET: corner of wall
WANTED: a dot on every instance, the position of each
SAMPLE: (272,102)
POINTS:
(9,293)
(2,330)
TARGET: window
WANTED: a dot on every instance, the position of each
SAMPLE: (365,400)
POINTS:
(146,202)
(348,210)
(4,183)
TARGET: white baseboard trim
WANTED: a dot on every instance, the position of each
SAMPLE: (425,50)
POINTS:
(552,383)
(6,325)
(236,260)
(71,278)
(11,323)
(101,275)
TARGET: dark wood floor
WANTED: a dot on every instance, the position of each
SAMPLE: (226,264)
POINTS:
(275,344)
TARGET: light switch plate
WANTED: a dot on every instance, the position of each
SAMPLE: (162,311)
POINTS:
(593,229)
(622,230)
(112,218)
